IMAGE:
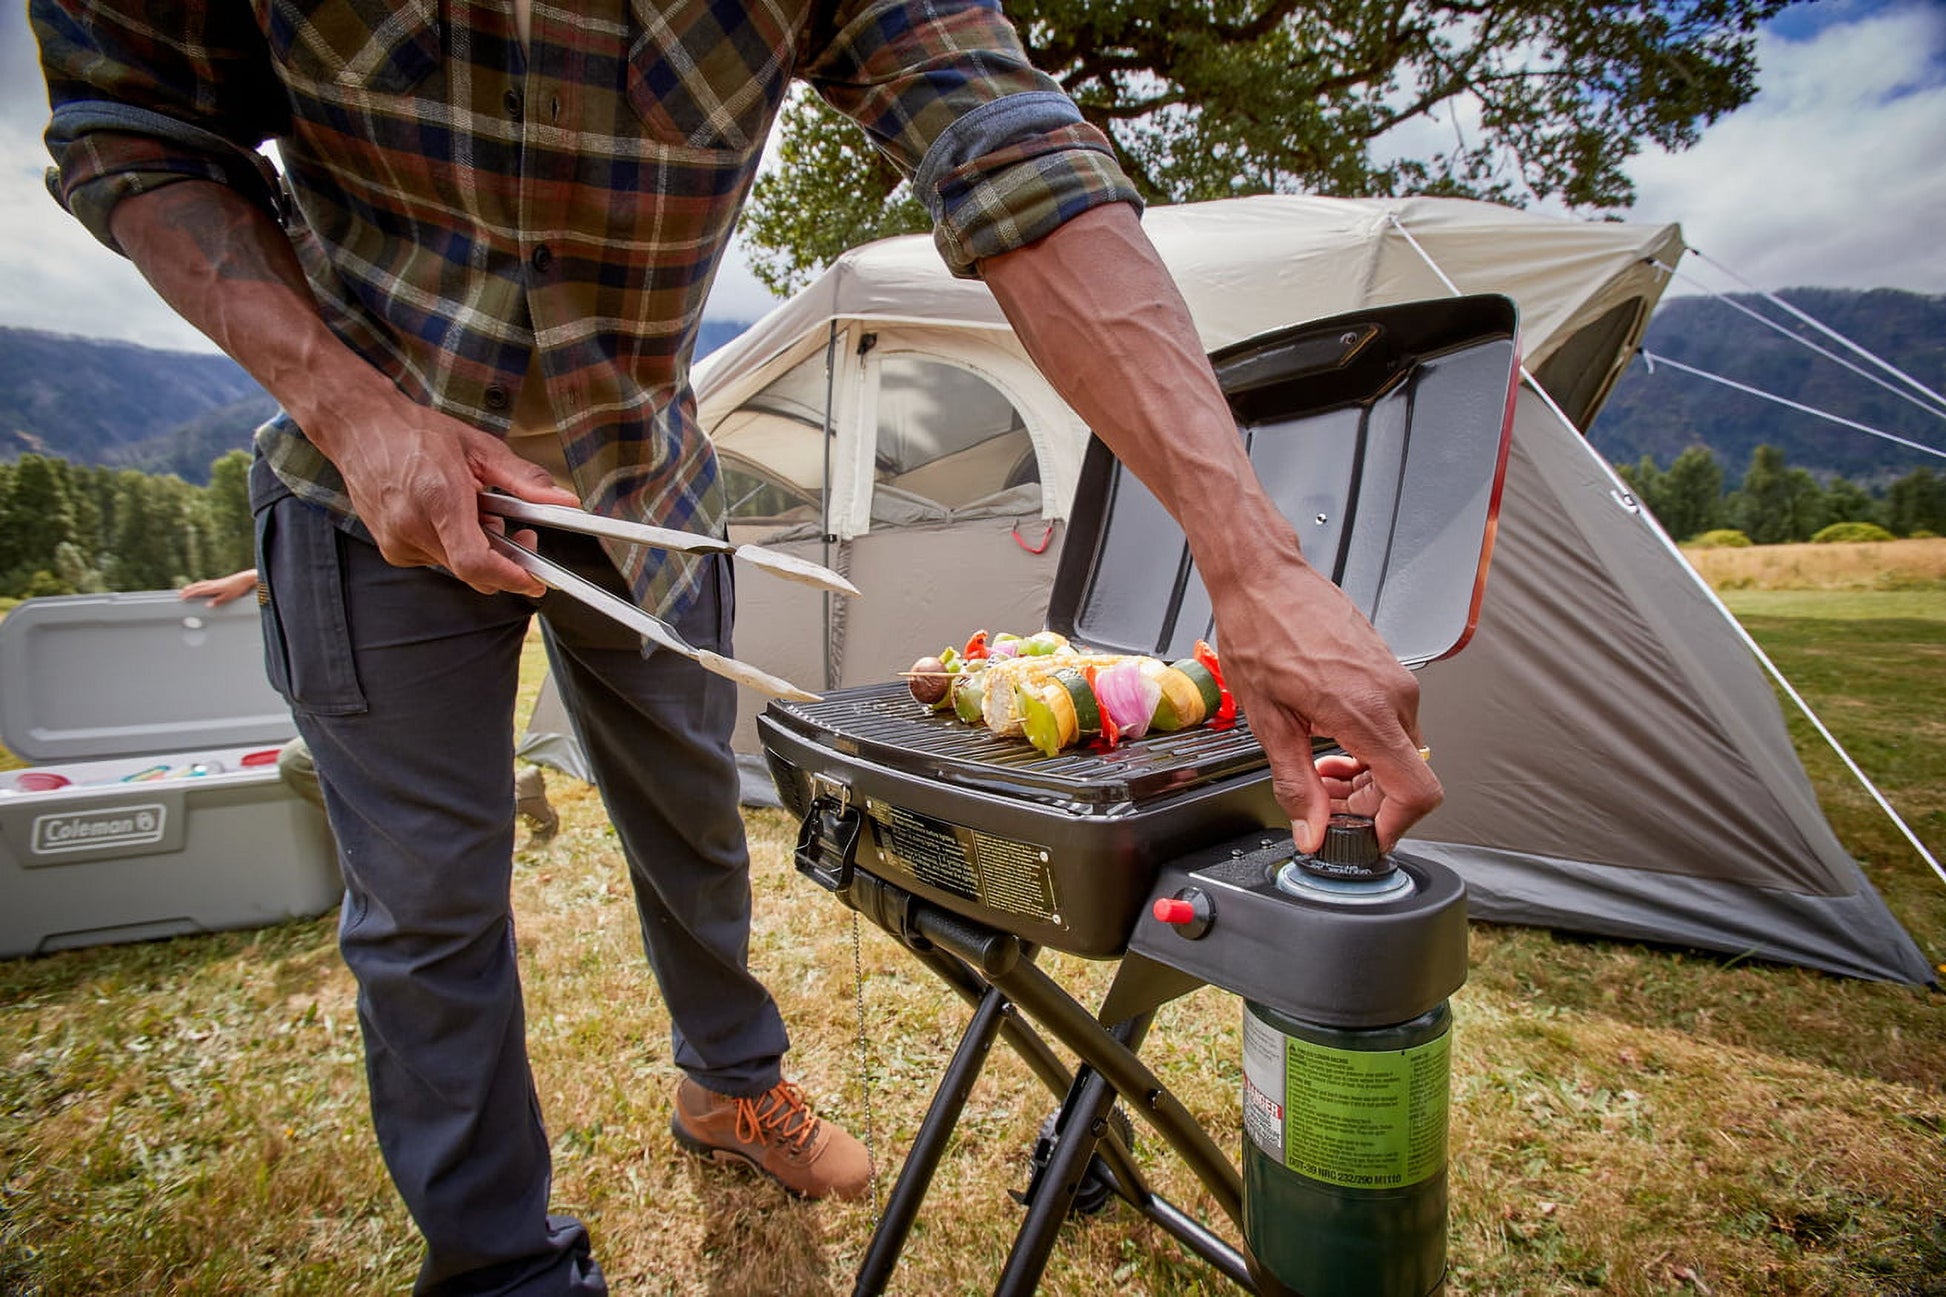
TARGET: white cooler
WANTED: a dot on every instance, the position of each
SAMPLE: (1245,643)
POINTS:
(155,807)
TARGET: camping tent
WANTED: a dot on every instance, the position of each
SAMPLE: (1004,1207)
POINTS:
(1615,762)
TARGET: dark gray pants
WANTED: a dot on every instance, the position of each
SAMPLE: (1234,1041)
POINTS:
(403,681)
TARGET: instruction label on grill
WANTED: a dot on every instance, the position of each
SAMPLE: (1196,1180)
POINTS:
(924,848)
(1001,873)
(1353,1118)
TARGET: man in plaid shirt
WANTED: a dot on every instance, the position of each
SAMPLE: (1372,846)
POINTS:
(484,268)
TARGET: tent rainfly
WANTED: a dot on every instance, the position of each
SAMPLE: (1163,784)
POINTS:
(1615,761)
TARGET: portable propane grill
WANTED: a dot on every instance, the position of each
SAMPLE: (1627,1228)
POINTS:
(1383,436)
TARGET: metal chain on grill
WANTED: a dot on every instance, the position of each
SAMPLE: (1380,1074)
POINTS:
(864,1060)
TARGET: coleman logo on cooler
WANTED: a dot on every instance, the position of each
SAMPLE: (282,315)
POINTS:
(119,827)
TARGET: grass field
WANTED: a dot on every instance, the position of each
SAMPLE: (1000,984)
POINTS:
(188,1117)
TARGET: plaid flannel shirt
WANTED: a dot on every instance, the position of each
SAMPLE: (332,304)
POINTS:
(464,203)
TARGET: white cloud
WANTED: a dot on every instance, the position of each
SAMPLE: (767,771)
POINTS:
(53,275)
(1835,174)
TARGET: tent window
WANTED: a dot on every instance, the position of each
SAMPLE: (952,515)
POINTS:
(771,449)
(1582,370)
(756,496)
(947,435)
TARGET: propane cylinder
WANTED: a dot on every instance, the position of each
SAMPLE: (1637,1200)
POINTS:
(1344,1150)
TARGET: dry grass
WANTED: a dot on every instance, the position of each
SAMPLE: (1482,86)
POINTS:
(1878,565)
(188,1117)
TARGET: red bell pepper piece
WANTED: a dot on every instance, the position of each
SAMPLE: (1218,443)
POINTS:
(1111,733)
(976,647)
(1227,706)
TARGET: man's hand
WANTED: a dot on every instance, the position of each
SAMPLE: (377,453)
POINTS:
(414,474)
(216,591)
(1101,317)
(1309,664)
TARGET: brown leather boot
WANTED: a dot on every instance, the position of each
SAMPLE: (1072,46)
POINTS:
(775,1133)
(532,807)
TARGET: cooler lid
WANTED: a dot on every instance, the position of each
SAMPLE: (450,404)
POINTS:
(1381,434)
(91,676)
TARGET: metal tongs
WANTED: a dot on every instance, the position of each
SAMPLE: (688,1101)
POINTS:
(651,627)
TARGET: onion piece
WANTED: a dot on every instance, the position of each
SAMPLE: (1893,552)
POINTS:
(1128,696)
(1001,650)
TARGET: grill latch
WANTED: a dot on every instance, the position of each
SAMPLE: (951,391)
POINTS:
(827,840)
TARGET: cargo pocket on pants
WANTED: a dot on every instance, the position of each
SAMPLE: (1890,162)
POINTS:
(301,590)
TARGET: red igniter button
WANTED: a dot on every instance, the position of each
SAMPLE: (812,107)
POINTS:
(1188,913)
(1173,909)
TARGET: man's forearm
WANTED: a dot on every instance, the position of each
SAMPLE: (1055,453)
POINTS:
(1101,317)
(413,474)
(226,266)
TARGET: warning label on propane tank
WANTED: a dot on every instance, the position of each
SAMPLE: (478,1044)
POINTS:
(1365,1120)
(1263,1085)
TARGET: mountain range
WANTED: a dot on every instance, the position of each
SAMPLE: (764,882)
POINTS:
(93,401)
(96,401)
(1660,412)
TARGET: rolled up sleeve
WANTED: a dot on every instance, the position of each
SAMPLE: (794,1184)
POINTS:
(996,152)
(145,96)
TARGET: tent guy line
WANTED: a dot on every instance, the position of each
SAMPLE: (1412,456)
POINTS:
(1820,326)
(1652,360)
(1656,529)
(1934,404)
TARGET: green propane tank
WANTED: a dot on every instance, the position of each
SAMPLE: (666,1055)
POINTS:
(1344,1149)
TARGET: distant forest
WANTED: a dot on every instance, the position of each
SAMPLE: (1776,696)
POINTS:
(1664,413)
(1703,456)
(80,528)
(123,467)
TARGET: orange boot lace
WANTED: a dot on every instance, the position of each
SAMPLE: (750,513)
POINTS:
(781,1115)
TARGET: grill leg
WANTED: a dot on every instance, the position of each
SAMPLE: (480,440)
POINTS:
(1125,1178)
(996,974)
(1079,1129)
(922,1162)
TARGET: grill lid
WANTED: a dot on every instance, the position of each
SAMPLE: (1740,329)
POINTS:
(1381,434)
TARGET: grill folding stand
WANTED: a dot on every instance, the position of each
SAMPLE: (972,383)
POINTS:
(1383,436)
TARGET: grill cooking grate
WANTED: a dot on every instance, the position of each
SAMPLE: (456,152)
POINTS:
(882,723)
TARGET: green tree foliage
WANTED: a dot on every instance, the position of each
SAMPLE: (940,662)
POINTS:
(1776,502)
(794,225)
(1215,98)
(67,529)
(1917,502)
(1845,501)
(74,573)
(1692,492)
(1851,533)
(227,504)
(1687,498)
(38,517)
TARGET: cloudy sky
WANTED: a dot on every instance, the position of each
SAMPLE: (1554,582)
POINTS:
(1835,175)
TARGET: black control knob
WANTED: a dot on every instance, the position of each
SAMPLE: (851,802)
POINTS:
(1349,851)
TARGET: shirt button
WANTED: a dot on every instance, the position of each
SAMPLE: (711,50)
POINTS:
(543,258)
(496,398)
(554,108)
(513,103)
